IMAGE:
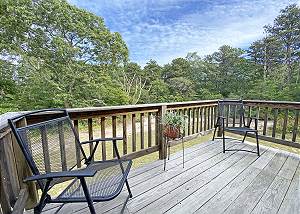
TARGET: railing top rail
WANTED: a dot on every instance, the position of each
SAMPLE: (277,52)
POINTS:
(83,113)
(275,104)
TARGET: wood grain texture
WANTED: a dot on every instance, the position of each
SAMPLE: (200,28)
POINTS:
(149,130)
(142,130)
(274,123)
(91,134)
(124,134)
(284,126)
(103,145)
(296,127)
(214,180)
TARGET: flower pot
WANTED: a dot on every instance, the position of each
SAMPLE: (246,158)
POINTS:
(171,132)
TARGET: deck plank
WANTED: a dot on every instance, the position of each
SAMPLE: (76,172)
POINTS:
(183,188)
(290,204)
(148,191)
(139,172)
(211,182)
(247,200)
(195,200)
(227,195)
(273,197)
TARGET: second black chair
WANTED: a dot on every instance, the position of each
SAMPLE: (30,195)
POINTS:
(232,118)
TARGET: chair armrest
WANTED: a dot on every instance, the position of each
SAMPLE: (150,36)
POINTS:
(112,139)
(75,173)
(102,140)
(250,121)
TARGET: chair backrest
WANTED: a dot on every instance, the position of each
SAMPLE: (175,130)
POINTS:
(233,111)
(48,146)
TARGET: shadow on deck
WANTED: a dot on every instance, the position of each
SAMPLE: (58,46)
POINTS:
(210,182)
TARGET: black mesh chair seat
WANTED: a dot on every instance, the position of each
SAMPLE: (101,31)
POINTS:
(54,152)
(241,129)
(107,183)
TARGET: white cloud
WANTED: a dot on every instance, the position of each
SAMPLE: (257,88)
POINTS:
(166,29)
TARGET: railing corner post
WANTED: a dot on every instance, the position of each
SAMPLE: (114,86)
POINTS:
(161,142)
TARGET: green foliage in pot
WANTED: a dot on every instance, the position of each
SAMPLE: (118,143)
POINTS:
(173,123)
(173,119)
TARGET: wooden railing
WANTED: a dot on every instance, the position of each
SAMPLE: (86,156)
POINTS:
(141,128)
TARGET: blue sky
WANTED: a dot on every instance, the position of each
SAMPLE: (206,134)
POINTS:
(165,29)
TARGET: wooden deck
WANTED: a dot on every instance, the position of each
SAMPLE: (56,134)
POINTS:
(210,182)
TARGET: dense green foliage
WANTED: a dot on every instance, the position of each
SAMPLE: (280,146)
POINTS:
(56,55)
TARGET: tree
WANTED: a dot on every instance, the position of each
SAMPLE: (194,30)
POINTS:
(286,29)
(61,51)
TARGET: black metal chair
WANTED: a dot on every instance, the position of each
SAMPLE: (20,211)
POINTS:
(228,121)
(54,153)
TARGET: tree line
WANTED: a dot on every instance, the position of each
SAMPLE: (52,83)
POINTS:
(53,54)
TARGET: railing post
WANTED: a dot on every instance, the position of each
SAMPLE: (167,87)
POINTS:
(219,132)
(161,141)
(24,171)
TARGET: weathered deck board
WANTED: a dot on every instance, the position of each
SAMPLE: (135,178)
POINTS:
(253,193)
(227,195)
(211,182)
(272,199)
(291,200)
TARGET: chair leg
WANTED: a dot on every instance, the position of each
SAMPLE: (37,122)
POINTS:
(223,131)
(38,209)
(87,196)
(257,144)
(128,188)
(214,133)
(244,137)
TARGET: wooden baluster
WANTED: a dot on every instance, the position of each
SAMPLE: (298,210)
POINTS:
(227,110)
(149,130)
(157,121)
(208,117)
(205,118)
(45,145)
(201,119)
(212,117)
(78,156)
(274,123)
(142,130)
(91,137)
(249,115)
(257,117)
(124,135)
(241,116)
(193,121)
(103,145)
(265,121)
(284,124)
(215,115)
(189,121)
(198,119)
(114,132)
(62,145)
(133,134)
(234,115)
(295,129)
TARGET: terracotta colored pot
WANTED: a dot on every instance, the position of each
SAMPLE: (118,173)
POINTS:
(171,131)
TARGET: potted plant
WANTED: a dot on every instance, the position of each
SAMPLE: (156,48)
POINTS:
(172,125)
